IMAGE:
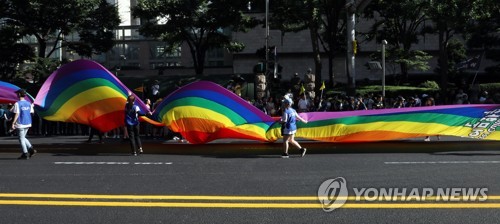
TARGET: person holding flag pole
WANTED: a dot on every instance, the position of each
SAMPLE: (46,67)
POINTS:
(322,88)
(322,106)
(303,104)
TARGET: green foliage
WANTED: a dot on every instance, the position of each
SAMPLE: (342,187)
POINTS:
(430,85)
(12,53)
(490,87)
(96,34)
(236,46)
(390,91)
(41,69)
(202,24)
(416,60)
(50,21)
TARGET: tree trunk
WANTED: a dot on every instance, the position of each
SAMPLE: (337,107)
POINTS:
(443,65)
(198,56)
(316,54)
(42,47)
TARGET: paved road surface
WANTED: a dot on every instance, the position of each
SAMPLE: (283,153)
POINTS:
(241,182)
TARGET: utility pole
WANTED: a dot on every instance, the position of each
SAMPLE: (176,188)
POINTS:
(351,37)
(352,6)
(384,43)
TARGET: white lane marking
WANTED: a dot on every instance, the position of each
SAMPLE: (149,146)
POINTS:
(443,162)
(112,163)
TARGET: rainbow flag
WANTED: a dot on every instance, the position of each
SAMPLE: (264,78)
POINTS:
(8,93)
(204,111)
(84,92)
(471,121)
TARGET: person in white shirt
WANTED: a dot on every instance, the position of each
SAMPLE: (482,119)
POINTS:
(303,104)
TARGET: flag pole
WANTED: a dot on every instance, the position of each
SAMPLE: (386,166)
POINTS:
(477,69)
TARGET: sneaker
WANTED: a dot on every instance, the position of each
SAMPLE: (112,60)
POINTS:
(285,156)
(140,151)
(31,151)
(24,156)
(303,152)
(134,154)
(427,139)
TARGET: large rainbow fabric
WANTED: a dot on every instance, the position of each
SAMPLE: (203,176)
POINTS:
(473,121)
(84,92)
(8,93)
(204,111)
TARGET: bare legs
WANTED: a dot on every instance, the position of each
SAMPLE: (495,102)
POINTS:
(289,139)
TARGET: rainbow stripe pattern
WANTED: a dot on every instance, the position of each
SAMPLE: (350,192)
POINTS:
(204,111)
(8,93)
(84,92)
(473,121)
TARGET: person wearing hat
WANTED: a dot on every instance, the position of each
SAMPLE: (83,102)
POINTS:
(289,127)
(21,122)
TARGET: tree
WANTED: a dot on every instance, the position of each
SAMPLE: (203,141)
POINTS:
(484,35)
(49,22)
(12,53)
(201,24)
(400,22)
(450,18)
(333,38)
(456,54)
(295,16)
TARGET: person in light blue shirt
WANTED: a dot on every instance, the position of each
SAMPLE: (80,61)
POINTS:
(289,127)
(21,122)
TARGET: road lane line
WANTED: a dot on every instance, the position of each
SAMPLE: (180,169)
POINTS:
(211,197)
(251,205)
(441,162)
(113,163)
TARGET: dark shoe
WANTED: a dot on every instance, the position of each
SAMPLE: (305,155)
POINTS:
(23,156)
(303,152)
(31,151)
(285,156)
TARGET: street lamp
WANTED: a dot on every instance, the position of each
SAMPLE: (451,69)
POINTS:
(249,7)
(384,42)
(267,35)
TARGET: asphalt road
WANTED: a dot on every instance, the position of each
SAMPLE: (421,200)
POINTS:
(241,182)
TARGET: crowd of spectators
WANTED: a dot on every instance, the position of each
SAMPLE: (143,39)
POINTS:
(342,102)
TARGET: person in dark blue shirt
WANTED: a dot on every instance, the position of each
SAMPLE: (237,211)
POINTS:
(132,113)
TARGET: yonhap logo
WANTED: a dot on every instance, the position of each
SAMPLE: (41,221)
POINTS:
(332,193)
